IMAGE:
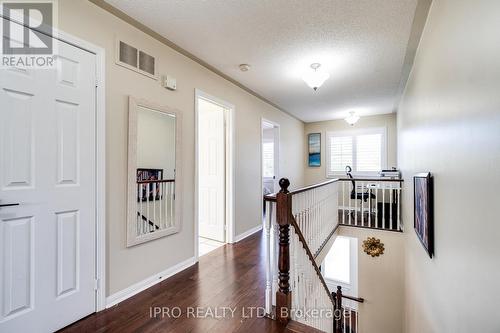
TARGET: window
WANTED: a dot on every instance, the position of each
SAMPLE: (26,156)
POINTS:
(340,267)
(364,151)
(337,262)
(268,159)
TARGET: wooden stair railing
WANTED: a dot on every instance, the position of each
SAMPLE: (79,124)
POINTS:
(285,219)
(340,324)
(311,213)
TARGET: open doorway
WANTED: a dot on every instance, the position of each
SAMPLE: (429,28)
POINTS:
(270,157)
(213,173)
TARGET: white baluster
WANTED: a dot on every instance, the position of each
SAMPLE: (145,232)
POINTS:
(399,206)
(390,205)
(383,207)
(362,201)
(376,207)
(343,202)
(350,210)
(141,209)
(171,202)
(268,257)
(148,188)
(155,187)
(355,204)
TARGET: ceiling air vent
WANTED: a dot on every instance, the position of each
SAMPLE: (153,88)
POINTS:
(137,60)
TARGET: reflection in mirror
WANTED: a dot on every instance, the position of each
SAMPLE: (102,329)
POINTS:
(155,170)
(153,153)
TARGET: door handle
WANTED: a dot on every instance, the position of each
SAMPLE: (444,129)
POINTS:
(9,205)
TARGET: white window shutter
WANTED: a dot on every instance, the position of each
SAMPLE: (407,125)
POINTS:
(364,150)
(268,159)
(341,153)
(369,153)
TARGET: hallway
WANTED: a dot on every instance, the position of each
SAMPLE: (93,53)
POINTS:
(231,277)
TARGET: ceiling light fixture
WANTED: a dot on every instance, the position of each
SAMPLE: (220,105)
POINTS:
(315,78)
(352,118)
(244,67)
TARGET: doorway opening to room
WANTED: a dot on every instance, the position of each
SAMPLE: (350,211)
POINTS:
(214,173)
(270,158)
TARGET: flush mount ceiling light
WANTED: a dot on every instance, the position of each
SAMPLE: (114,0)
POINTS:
(352,118)
(315,77)
(244,67)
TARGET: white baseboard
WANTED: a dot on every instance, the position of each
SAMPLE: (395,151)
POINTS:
(247,233)
(148,282)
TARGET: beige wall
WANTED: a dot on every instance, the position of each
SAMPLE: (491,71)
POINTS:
(126,266)
(380,281)
(449,124)
(318,174)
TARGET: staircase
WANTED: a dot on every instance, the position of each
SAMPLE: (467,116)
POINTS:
(300,227)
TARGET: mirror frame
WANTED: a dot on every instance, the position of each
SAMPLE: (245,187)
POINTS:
(132,237)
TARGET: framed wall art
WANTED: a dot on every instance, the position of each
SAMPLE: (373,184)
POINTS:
(314,152)
(423,210)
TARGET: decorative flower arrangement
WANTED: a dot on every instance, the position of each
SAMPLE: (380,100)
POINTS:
(372,246)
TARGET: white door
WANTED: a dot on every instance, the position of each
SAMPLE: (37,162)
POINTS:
(47,165)
(211,170)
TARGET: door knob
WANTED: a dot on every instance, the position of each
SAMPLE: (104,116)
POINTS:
(9,205)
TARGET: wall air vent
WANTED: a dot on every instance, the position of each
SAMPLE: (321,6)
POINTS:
(137,60)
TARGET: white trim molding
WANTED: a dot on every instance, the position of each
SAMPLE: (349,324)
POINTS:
(136,288)
(230,165)
(247,233)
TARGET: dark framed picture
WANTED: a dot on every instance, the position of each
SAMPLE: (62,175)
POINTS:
(424,210)
(149,190)
(314,144)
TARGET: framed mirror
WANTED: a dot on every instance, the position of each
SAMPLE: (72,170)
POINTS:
(154,172)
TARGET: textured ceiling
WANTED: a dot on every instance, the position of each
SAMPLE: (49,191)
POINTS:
(362,44)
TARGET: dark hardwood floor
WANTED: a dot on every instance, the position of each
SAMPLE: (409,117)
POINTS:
(231,276)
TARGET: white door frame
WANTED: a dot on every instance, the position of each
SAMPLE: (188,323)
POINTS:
(229,167)
(100,228)
(100,150)
(276,157)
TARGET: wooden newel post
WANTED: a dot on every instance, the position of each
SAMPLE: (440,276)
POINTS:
(337,325)
(283,215)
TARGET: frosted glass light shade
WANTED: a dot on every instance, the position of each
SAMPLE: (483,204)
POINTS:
(315,78)
(352,118)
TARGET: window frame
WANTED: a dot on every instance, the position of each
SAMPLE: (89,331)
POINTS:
(350,288)
(354,134)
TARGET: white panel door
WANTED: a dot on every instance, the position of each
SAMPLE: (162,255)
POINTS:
(47,165)
(211,169)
